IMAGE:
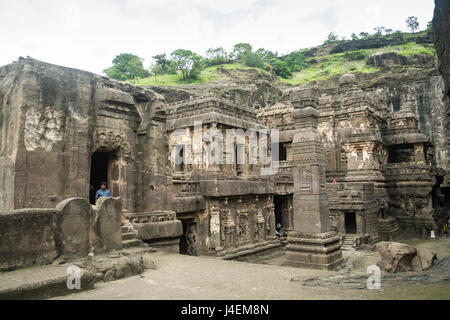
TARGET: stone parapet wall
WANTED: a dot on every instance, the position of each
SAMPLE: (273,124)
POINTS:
(31,237)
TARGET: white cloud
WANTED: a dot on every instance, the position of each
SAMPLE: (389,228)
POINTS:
(88,34)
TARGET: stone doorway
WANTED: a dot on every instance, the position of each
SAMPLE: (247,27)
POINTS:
(283,212)
(350,223)
(188,241)
(100,167)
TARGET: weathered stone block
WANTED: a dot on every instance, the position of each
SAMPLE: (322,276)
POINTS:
(74,222)
(27,237)
(318,251)
(108,224)
(159,230)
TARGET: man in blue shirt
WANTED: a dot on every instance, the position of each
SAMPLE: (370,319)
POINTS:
(103,192)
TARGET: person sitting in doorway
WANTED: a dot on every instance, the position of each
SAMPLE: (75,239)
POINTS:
(103,192)
(279,231)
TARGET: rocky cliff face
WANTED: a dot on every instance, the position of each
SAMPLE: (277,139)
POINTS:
(246,87)
(53,119)
(441,35)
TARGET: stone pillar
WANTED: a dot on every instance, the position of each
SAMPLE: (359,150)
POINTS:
(311,244)
(214,227)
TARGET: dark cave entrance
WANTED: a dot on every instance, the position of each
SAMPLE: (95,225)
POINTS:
(350,223)
(188,241)
(278,210)
(283,211)
(282,153)
(99,172)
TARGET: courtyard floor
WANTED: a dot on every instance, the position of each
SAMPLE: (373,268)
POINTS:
(180,277)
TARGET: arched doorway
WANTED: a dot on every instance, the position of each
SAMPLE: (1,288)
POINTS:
(350,223)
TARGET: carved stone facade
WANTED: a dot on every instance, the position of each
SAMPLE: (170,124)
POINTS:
(218,187)
(377,159)
(361,157)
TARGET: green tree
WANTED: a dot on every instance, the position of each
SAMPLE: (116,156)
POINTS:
(388,31)
(412,23)
(280,68)
(430,26)
(252,59)
(127,66)
(364,35)
(354,37)
(156,69)
(295,61)
(398,34)
(217,56)
(332,37)
(379,31)
(166,65)
(240,49)
(189,63)
(266,55)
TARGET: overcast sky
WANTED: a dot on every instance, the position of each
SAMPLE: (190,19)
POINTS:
(87,34)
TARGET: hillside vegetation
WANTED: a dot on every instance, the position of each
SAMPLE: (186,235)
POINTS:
(317,68)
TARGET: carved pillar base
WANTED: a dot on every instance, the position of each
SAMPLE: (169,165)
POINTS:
(314,251)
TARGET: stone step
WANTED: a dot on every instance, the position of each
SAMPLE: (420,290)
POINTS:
(349,240)
(125,229)
(128,236)
(41,282)
(132,243)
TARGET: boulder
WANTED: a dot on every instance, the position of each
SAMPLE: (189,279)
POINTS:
(387,60)
(396,257)
(347,79)
(427,258)
(400,257)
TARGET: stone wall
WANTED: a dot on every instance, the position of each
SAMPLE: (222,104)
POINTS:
(53,119)
(28,237)
(40,236)
(441,35)
(388,132)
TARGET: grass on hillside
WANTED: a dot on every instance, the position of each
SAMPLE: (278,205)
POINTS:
(325,67)
(318,68)
(206,75)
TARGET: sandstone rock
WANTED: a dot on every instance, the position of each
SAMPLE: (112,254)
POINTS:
(416,264)
(136,264)
(441,34)
(347,79)
(74,217)
(149,263)
(108,224)
(399,257)
(123,268)
(427,258)
(386,60)
(110,275)
(99,276)
(396,257)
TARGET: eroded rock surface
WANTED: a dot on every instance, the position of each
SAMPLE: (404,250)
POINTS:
(400,257)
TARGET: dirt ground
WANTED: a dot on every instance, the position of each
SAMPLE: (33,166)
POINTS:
(180,277)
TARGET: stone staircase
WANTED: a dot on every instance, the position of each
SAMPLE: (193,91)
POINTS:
(129,239)
(349,240)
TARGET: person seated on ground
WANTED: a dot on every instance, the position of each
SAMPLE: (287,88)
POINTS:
(103,192)
(279,231)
